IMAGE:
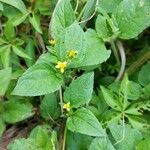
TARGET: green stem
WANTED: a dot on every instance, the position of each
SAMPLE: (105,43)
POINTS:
(61,100)
(64,138)
(115,51)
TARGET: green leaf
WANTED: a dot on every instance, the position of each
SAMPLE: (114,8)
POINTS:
(146,91)
(138,108)
(1,6)
(71,39)
(54,140)
(2,41)
(144,145)
(102,28)
(23,144)
(96,52)
(14,111)
(134,90)
(132,17)
(83,121)
(130,139)
(111,116)
(80,90)
(110,99)
(5,55)
(138,122)
(49,107)
(101,144)
(17,4)
(63,16)
(109,5)
(2,127)
(129,89)
(5,77)
(35,21)
(30,50)
(40,135)
(18,19)
(9,31)
(40,79)
(19,51)
(144,76)
(76,141)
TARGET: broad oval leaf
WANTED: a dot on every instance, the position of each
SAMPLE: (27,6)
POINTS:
(80,90)
(39,79)
(96,52)
(131,136)
(109,5)
(132,17)
(83,121)
(101,144)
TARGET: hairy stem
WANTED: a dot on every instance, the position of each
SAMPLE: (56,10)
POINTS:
(115,51)
(123,60)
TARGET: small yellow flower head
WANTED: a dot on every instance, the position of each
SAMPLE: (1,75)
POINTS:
(67,106)
(72,53)
(52,42)
(61,65)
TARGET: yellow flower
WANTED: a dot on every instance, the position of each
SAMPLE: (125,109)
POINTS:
(61,65)
(52,42)
(67,106)
(72,53)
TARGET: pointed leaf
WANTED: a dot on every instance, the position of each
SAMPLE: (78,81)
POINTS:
(132,17)
(19,111)
(83,121)
(130,139)
(17,4)
(96,52)
(101,144)
(35,21)
(39,79)
(110,99)
(63,16)
(49,107)
(5,77)
(80,90)
(19,51)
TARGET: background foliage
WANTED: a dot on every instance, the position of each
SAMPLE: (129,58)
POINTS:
(75,74)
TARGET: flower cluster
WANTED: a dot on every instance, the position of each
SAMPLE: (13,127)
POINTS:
(67,106)
(52,42)
(63,64)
